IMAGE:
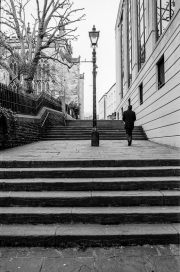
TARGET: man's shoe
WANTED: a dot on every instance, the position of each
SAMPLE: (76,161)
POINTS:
(129,143)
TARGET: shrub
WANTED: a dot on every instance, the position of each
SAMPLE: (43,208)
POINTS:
(11,123)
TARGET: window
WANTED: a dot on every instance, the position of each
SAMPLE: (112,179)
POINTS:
(14,68)
(129,43)
(164,13)
(122,55)
(39,88)
(160,71)
(141,94)
(141,33)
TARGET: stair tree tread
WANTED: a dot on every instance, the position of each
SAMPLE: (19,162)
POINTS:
(42,169)
(79,194)
(90,180)
(89,230)
(91,210)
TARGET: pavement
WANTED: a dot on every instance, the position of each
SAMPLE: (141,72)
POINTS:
(82,150)
(121,259)
(159,258)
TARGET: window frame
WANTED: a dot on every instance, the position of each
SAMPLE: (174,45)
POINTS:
(122,53)
(141,19)
(129,40)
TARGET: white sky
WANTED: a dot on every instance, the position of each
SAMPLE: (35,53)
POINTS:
(102,14)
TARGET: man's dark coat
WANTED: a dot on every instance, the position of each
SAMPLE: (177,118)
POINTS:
(129,117)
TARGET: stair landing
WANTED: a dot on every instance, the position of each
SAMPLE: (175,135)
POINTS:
(83,151)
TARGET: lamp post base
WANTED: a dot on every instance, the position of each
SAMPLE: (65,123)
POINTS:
(94,137)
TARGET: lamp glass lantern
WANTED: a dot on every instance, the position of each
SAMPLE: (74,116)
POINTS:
(94,36)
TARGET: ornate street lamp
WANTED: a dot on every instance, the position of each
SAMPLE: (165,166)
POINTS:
(94,36)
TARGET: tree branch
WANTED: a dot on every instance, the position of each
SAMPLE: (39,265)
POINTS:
(55,59)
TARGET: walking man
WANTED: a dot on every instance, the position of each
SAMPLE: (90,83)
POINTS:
(129,117)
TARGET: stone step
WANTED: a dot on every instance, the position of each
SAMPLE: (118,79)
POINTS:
(89,134)
(86,132)
(88,138)
(90,131)
(89,215)
(88,163)
(136,129)
(89,123)
(96,172)
(90,198)
(69,235)
(89,184)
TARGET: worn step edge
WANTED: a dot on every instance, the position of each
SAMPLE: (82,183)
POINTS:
(110,184)
(89,172)
(67,235)
(89,163)
(96,215)
(90,199)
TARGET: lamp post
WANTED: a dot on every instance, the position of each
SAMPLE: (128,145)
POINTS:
(94,36)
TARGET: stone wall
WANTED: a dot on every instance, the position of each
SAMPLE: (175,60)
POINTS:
(31,128)
(54,120)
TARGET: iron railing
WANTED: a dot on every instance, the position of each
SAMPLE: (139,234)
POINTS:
(25,104)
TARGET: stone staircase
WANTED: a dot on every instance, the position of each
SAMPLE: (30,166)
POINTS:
(81,130)
(89,202)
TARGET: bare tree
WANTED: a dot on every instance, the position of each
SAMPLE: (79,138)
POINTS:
(52,28)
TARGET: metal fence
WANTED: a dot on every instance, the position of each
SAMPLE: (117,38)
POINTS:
(22,103)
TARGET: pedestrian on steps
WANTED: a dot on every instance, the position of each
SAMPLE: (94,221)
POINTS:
(129,117)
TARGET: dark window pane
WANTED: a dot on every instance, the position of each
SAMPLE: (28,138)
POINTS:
(141,94)
(161,77)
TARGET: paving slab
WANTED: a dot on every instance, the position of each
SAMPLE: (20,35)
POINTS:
(112,150)
(20,264)
(161,258)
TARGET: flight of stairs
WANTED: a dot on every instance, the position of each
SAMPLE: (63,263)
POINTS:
(89,202)
(81,130)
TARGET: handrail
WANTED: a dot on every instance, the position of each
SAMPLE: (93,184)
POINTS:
(45,119)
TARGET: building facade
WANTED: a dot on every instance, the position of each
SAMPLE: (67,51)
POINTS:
(81,96)
(102,107)
(107,104)
(111,102)
(148,66)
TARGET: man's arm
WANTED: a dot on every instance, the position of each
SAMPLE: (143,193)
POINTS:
(134,116)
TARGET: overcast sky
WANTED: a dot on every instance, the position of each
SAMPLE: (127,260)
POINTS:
(102,14)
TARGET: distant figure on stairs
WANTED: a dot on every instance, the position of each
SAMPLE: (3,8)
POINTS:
(129,117)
